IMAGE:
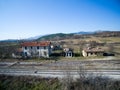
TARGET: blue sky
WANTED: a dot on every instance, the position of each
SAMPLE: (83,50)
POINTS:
(26,18)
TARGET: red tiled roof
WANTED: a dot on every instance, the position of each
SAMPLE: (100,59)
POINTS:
(35,44)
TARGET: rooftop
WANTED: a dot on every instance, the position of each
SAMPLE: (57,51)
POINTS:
(36,44)
(93,50)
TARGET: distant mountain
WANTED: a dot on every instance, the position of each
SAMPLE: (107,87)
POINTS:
(9,40)
(83,33)
(77,35)
(62,36)
(34,38)
(27,39)
(107,34)
(15,40)
(57,36)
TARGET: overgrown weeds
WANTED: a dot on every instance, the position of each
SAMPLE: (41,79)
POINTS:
(90,81)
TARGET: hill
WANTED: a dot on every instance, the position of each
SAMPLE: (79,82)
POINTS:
(62,36)
(107,34)
(78,35)
(57,36)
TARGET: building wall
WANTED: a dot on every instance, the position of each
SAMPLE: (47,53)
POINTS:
(92,54)
(37,51)
(84,53)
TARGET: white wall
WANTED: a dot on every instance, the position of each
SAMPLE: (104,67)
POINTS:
(41,51)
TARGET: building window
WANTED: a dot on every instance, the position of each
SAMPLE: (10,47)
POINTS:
(45,53)
(37,47)
(25,53)
(25,48)
(44,47)
(69,54)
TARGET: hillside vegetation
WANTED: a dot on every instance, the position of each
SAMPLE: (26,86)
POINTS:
(108,40)
(38,83)
(57,36)
(62,36)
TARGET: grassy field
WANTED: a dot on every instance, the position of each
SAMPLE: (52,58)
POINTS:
(109,44)
(79,44)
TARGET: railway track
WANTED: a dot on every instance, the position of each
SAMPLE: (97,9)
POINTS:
(107,68)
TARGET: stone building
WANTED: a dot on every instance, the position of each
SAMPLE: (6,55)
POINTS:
(92,52)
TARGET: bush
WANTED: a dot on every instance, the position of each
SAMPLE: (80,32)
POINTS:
(68,83)
(28,83)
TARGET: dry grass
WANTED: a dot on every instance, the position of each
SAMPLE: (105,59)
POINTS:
(77,43)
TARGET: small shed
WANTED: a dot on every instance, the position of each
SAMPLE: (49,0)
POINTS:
(68,52)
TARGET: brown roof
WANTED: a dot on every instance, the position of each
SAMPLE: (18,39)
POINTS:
(35,44)
(93,50)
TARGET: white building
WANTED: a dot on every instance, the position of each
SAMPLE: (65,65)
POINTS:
(68,52)
(36,49)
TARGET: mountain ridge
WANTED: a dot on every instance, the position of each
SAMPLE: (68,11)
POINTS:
(57,36)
